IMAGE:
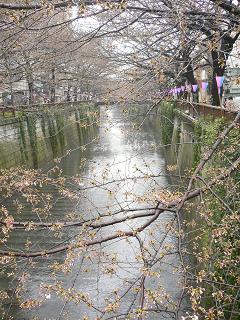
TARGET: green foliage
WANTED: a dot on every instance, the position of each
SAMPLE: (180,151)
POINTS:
(22,139)
(206,132)
(219,208)
(197,147)
(167,111)
(32,133)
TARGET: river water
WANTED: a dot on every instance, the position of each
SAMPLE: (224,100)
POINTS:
(125,154)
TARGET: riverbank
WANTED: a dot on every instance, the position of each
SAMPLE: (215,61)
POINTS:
(30,138)
(210,223)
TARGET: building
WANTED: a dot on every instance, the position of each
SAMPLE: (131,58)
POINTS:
(232,77)
(232,84)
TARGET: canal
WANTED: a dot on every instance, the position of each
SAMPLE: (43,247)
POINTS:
(114,162)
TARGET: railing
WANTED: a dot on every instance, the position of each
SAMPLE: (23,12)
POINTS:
(196,110)
(40,106)
(36,107)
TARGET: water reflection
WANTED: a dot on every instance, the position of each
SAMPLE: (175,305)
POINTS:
(121,153)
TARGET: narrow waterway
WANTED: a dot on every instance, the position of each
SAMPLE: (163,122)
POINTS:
(109,152)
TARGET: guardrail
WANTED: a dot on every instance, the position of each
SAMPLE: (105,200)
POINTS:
(196,110)
(39,107)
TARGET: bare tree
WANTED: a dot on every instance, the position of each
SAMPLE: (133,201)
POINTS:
(133,50)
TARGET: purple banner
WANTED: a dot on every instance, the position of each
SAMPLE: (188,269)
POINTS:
(204,86)
(195,87)
(219,80)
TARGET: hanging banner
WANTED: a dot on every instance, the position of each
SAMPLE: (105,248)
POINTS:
(219,80)
(195,87)
(204,86)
